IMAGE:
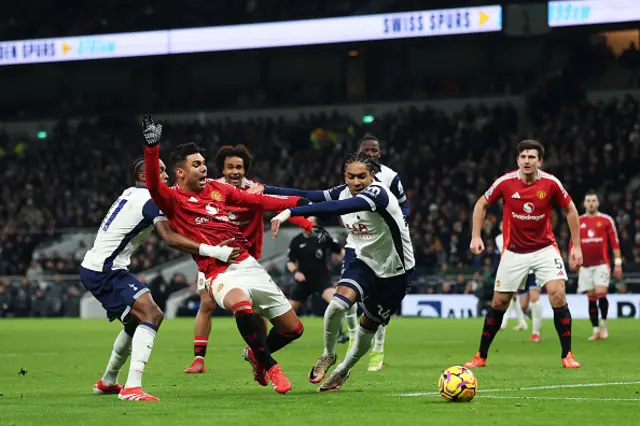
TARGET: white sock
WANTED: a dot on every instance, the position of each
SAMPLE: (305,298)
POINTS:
(536,317)
(378,343)
(507,314)
(596,330)
(603,323)
(519,313)
(352,320)
(360,347)
(141,347)
(119,354)
(332,319)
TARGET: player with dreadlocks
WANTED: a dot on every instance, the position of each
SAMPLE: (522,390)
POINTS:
(380,273)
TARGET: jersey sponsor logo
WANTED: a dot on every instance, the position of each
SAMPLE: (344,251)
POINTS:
(541,194)
(211,209)
(193,200)
(215,195)
(584,225)
(516,196)
(303,245)
(232,216)
(592,240)
(319,254)
(591,233)
(528,207)
(359,230)
(528,217)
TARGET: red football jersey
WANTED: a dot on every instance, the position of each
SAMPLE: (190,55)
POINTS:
(204,216)
(527,209)
(251,222)
(596,232)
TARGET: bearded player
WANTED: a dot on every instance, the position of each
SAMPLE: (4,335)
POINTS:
(234,162)
(197,208)
(597,231)
(529,245)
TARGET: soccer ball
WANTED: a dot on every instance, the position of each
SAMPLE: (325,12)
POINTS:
(457,384)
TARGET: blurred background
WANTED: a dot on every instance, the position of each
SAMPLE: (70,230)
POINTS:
(449,92)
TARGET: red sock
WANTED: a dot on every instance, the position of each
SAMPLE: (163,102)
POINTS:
(200,346)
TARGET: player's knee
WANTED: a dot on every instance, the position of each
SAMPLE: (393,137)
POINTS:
(155,316)
(340,303)
(207,305)
(501,301)
(296,332)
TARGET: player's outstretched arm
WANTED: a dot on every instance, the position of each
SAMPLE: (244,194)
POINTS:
(235,197)
(335,207)
(222,252)
(573,220)
(315,195)
(161,195)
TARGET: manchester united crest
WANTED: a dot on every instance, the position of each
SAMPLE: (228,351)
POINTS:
(215,195)
(599,224)
(498,283)
(541,194)
(220,287)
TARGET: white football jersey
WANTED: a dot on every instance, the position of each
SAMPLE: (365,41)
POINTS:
(380,237)
(127,223)
(391,179)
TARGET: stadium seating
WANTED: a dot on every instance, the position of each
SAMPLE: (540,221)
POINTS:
(445,163)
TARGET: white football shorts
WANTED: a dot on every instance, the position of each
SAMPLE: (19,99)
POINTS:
(250,276)
(590,277)
(546,264)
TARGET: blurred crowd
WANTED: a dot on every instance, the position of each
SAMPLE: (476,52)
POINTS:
(445,163)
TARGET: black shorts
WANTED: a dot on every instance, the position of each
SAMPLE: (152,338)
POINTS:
(302,291)
(379,298)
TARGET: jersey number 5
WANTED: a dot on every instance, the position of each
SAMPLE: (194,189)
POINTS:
(113,212)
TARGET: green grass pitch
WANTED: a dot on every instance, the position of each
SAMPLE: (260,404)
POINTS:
(65,357)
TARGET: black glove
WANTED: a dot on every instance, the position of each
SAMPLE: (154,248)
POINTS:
(321,234)
(151,131)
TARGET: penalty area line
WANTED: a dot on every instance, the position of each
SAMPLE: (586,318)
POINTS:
(534,388)
(558,398)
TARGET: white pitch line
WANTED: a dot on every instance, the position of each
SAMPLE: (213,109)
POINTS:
(535,388)
(558,398)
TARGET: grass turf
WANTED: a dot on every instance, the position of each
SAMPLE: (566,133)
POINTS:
(65,357)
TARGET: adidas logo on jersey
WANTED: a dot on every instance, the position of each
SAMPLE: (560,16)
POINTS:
(516,196)
(193,200)
(583,225)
